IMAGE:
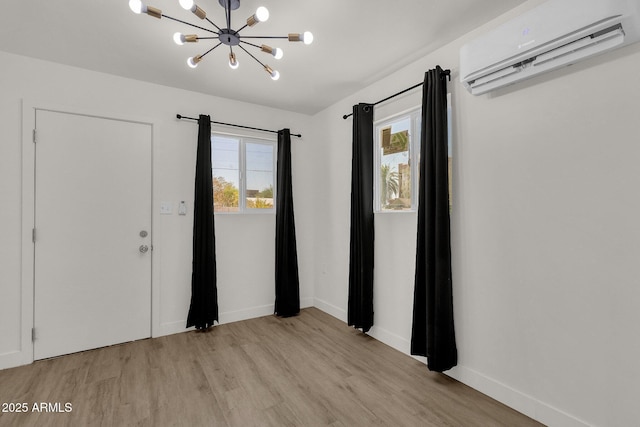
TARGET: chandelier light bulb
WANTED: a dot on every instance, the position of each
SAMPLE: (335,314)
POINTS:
(193,61)
(275,52)
(136,6)
(186,4)
(262,14)
(190,5)
(307,37)
(273,73)
(233,62)
(179,39)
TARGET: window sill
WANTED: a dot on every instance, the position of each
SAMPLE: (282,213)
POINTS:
(394,212)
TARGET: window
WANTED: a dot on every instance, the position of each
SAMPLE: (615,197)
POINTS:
(243,172)
(396,156)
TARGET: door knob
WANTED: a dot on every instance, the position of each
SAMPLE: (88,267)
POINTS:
(143,249)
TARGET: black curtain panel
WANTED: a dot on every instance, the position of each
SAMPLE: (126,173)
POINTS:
(360,307)
(432,332)
(287,283)
(204,294)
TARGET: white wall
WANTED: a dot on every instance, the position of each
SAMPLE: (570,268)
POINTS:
(545,238)
(545,235)
(245,244)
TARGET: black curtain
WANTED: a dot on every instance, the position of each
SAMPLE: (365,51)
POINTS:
(287,283)
(360,310)
(203,310)
(433,332)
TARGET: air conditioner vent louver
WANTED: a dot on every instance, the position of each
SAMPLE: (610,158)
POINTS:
(547,37)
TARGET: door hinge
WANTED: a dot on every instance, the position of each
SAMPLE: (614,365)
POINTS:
(33,235)
(34,136)
(33,334)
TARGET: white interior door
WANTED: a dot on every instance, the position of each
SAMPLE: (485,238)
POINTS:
(92,223)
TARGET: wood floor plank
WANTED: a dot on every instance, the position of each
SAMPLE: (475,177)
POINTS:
(308,370)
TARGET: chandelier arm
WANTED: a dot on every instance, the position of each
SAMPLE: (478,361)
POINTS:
(263,37)
(202,56)
(242,28)
(189,24)
(249,53)
(213,23)
(250,44)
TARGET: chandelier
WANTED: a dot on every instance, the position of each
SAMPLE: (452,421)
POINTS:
(225,36)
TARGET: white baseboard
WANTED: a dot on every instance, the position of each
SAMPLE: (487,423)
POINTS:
(333,310)
(515,399)
(176,327)
(169,328)
(389,338)
(12,359)
(521,402)
(246,313)
(306,302)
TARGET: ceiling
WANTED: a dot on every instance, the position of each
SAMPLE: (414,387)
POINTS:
(356,43)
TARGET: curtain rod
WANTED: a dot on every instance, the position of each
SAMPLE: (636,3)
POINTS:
(180,116)
(446,73)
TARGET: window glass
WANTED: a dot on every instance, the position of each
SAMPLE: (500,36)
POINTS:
(395,165)
(259,170)
(225,160)
(243,171)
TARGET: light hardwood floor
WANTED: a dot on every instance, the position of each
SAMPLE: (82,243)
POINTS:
(308,370)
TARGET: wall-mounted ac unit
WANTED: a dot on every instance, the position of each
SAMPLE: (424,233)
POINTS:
(554,34)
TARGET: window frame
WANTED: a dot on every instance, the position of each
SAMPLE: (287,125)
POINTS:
(243,140)
(414,116)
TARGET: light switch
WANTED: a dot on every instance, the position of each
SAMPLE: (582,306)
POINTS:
(182,208)
(165,208)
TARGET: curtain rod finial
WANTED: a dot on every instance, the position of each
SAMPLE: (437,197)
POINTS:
(178,116)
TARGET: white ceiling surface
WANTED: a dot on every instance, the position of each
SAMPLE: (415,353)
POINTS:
(356,43)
